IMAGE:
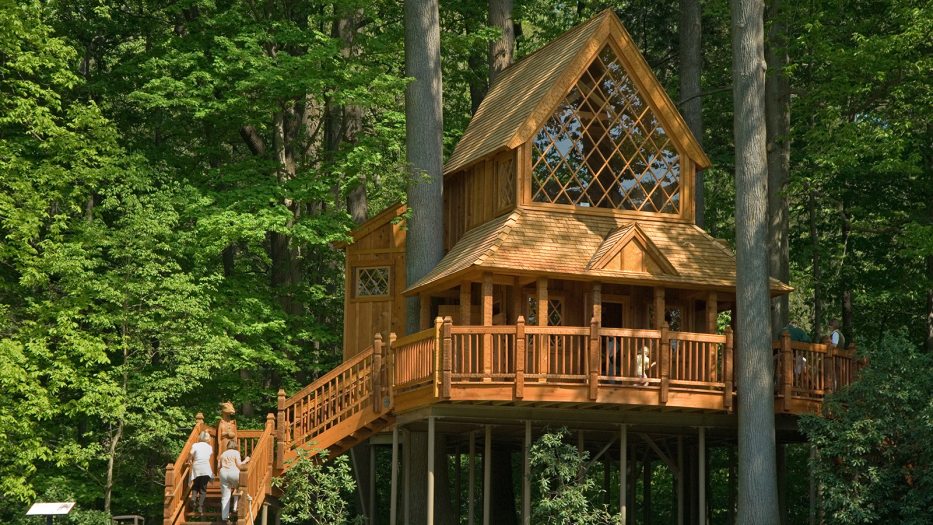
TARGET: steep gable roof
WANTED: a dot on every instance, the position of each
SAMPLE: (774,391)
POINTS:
(526,93)
(625,239)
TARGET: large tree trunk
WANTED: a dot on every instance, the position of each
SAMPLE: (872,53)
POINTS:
(500,49)
(816,262)
(848,325)
(691,67)
(758,502)
(777,108)
(424,127)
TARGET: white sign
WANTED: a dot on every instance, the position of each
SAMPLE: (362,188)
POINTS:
(45,509)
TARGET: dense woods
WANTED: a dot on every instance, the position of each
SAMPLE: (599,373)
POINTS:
(173,176)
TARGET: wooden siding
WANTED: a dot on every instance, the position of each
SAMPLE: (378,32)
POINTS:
(379,242)
(478,194)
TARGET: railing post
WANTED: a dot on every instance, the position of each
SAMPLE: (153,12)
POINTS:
(436,362)
(280,426)
(168,510)
(520,356)
(391,373)
(665,363)
(594,359)
(787,370)
(376,393)
(446,357)
(199,422)
(829,376)
(727,371)
(270,428)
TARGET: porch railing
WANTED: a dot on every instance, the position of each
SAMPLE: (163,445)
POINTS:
(810,371)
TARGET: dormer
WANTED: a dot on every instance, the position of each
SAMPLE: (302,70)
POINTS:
(582,124)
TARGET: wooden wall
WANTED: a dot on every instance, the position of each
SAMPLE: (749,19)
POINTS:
(473,196)
(377,245)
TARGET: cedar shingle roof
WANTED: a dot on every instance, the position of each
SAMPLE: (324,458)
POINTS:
(554,242)
(526,93)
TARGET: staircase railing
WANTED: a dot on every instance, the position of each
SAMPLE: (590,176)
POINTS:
(333,399)
(256,476)
(810,371)
(177,476)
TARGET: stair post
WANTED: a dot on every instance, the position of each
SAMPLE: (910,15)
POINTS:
(446,356)
(376,374)
(280,433)
(390,382)
(520,357)
(593,372)
(664,363)
(787,370)
(168,510)
(727,371)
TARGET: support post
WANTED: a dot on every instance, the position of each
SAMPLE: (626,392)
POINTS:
(598,301)
(465,302)
(487,477)
(727,371)
(487,321)
(458,485)
(424,311)
(406,458)
(680,480)
(520,357)
(701,477)
(393,491)
(280,432)
(664,363)
(658,306)
(594,351)
(169,507)
(471,476)
(436,364)
(390,374)
(543,341)
(446,356)
(430,498)
(526,476)
(829,369)
(372,484)
(712,312)
(787,370)
(623,472)
(517,299)
(376,393)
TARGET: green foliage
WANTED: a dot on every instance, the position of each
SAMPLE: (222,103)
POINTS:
(875,461)
(566,494)
(317,491)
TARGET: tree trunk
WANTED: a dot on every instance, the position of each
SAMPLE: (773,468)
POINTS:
(478,83)
(848,326)
(691,67)
(758,502)
(418,499)
(424,127)
(817,269)
(500,49)
(777,108)
(502,489)
(111,456)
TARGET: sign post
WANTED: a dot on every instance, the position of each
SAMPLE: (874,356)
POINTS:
(50,509)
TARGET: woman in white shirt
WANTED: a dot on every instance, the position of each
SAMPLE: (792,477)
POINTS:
(201,471)
(230,464)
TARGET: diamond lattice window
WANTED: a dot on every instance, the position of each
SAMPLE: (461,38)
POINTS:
(604,147)
(372,282)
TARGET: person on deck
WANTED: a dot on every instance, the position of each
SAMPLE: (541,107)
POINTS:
(835,336)
(230,464)
(643,364)
(201,471)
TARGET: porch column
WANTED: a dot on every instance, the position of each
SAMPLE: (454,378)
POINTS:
(487,477)
(526,476)
(597,302)
(487,321)
(623,472)
(712,312)
(517,301)
(471,476)
(543,348)
(658,307)
(465,300)
(701,477)
(393,492)
(424,305)
(680,480)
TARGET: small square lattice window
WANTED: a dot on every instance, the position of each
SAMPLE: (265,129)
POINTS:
(372,282)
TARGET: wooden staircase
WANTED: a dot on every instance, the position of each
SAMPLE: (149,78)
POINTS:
(336,412)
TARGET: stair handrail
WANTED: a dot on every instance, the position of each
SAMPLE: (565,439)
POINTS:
(178,474)
(256,476)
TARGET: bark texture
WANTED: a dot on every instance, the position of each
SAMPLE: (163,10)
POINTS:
(816,262)
(777,108)
(691,67)
(424,128)
(757,491)
(501,49)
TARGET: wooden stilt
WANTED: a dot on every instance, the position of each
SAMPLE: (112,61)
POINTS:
(372,485)
(471,476)
(458,483)
(526,476)
(730,511)
(813,514)
(430,498)
(680,480)
(701,478)
(623,472)
(487,476)
(782,482)
(646,490)
(393,491)
(406,454)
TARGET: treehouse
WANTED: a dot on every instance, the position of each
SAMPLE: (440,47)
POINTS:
(575,291)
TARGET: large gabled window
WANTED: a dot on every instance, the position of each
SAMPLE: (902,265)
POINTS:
(604,147)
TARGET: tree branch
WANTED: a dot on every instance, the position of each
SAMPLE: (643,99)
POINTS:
(253,140)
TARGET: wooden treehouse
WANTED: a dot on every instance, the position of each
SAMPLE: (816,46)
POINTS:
(576,291)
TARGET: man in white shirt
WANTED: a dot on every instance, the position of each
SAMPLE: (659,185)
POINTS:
(835,337)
